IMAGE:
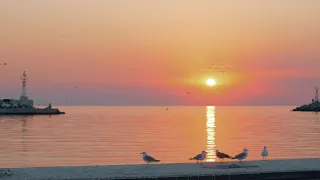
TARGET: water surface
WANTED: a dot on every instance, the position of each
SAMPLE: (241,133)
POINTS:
(116,135)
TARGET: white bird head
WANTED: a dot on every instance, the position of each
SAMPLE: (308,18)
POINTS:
(143,153)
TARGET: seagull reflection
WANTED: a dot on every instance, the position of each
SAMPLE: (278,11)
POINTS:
(211,156)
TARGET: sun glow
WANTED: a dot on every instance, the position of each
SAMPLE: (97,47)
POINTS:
(211,82)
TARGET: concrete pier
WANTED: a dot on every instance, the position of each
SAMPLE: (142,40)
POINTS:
(29,111)
(306,169)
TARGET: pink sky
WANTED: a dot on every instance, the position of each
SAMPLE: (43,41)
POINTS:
(96,44)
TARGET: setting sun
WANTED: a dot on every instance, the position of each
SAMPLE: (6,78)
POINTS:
(211,82)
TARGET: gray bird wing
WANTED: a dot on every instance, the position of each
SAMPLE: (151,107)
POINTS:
(264,153)
(223,155)
(150,159)
(197,157)
(239,156)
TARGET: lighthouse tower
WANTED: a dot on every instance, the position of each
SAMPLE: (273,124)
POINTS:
(24,87)
(24,100)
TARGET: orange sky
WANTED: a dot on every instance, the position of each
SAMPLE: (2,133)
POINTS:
(96,44)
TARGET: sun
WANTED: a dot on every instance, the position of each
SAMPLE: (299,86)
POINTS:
(211,82)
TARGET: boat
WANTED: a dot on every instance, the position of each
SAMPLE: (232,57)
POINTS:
(24,105)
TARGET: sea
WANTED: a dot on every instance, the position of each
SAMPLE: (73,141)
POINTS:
(106,135)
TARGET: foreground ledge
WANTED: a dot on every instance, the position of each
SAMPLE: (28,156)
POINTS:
(271,169)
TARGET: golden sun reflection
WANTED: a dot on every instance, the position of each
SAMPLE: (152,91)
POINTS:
(211,125)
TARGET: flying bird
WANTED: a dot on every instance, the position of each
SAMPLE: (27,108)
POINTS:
(148,159)
(200,157)
(242,155)
(221,155)
(264,153)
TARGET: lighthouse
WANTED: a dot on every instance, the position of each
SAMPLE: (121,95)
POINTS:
(24,87)
(24,105)
(24,100)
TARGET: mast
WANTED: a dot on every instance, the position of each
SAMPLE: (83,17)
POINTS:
(24,86)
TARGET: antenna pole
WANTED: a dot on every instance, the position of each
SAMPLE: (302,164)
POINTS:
(316,97)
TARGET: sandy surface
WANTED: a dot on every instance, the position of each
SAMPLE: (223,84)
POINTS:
(158,170)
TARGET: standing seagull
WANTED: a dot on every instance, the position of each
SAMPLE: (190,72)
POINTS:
(148,159)
(221,155)
(242,155)
(264,153)
(200,157)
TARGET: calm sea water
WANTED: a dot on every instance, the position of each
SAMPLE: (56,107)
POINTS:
(116,135)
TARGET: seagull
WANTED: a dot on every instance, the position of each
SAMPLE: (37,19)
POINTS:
(148,159)
(200,157)
(221,155)
(264,153)
(242,155)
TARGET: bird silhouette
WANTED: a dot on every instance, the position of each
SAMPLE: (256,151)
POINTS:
(200,157)
(222,156)
(264,153)
(242,155)
(148,159)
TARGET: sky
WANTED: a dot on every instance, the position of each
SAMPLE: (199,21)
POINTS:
(121,52)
